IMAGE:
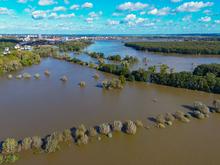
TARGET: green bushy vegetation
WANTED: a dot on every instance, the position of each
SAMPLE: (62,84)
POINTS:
(18,59)
(114,58)
(204,69)
(4,44)
(73,45)
(96,55)
(46,51)
(185,47)
(188,80)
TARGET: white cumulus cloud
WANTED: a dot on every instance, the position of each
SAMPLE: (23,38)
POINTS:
(87,5)
(75,7)
(130,17)
(217,21)
(205,19)
(132,6)
(193,6)
(59,8)
(160,12)
(46,2)
(39,14)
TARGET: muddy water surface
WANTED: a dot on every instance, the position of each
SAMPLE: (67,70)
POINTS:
(38,107)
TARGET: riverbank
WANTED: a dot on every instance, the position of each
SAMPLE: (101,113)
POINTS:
(179,47)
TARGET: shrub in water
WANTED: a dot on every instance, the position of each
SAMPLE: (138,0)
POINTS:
(82,139)
(92,132)
(160,119)
(67,135)
(179,115)
(26,76)
(52,142)
(104,129)
(117,126)
(82,84)
(199,106)
(139,123)
(19,76)
(26,143)
(216,104)
(9,146)
(112,84)
(47,73)
(1,159)
(64,78)
(36,142)
(96,76)
(37,76)
(198,115)
(10,76)
(130,127)
(12,158)
(169,117)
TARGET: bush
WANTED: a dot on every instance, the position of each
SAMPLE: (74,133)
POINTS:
(198,115)
(204,69)
(12,158)
(169,117)
(9,146)
(26,143)
(1,159)
(36,142)
(122,79)
(67,135)
(179,115)
(114,58)
(82,84)
(83,139)
(216,104)
(92,132)
(64,78)
(80,131)
(199,106)
(104,129)
(117,126)
(112,84)
(160,119)
(130,127)
(53,141)
(96,76)
(139,123)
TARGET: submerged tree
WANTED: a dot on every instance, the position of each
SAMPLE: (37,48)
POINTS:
(130,127)
(117,125)
(104,129)
(9,146)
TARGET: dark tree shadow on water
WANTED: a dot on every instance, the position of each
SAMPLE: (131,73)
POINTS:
(152,119)
(189,107)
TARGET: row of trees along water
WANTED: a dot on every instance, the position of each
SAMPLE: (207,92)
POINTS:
(181,47)
(204,78)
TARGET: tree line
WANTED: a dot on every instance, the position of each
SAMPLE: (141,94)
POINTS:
(181,47)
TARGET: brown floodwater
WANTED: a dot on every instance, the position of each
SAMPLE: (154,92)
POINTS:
(39,107)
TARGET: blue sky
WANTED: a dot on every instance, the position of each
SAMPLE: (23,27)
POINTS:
(109,16)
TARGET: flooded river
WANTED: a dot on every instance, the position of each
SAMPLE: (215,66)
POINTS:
(178,62)
(39,107)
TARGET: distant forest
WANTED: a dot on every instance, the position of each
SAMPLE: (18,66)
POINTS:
(181,47)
